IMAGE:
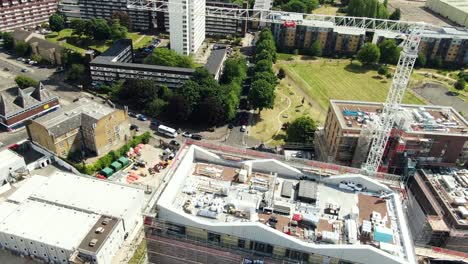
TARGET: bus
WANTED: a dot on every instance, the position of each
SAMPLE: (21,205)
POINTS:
(170,132)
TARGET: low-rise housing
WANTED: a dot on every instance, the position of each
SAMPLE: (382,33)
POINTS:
(116,63)
(25,14)
(83,125)
(10,163)
(66,218)
(225,205)
(422,135)
(215,62)
(438,200)
(19,105)
(49,51)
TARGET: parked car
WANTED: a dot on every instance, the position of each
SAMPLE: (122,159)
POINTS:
(197,137)
(132,114)
(231,126)
(24,70)
(187,135)
(6,69)
(243,128)
(142,117)
(154,122)
(134,127)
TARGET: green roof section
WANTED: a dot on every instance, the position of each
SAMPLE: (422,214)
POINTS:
(124,161)
(116,165)
(107,172)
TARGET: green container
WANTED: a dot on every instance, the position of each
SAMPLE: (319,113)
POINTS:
(124,161)
(107,172)
(116,166)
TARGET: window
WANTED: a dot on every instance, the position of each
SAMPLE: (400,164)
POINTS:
(263,248)
(214,237)
(241,243)
(296,255)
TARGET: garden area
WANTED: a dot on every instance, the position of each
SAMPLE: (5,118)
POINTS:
(67,39)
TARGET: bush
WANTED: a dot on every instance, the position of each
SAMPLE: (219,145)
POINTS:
(383,70)
(460,84)
(25,82)
(388,75)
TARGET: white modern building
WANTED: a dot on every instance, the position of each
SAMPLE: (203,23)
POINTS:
(66,218)
(187,25)
(221,206)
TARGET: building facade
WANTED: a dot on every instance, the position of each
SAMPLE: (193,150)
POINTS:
(264,226)
(437,210)
(19,105)
(87,9)
(428,135)
(454,10)
(25,14)
(81,126)
(186,25)
(49,51)
(116,64)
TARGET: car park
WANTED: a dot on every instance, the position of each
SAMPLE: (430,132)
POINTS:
(197,137)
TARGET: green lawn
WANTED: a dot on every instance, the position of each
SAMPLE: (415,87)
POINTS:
(325,79)
(139,253)
(80,44)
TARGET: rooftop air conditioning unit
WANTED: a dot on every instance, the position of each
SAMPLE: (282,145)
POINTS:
(93,242)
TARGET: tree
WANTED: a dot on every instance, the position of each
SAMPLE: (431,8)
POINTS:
(369,54)
(234,69)
(76,72)
(460,84)
(22,48)
(179,108)
(438,61)
(269,46)
(156,107)
(295,6)
(389,51)
(421,61)
(124,19)
(367,8)
(264,55)
(118,31)
(37,57)
(56,22)
(70,57)
(281,73)
(167,57)
(25,82)
(315,49)
(98,28)
(211,110)
(78,25)
(344,2)
(268,76)
(383,70)
(261,95)
(8,41)
(301,130)
(395,15)
(263,66)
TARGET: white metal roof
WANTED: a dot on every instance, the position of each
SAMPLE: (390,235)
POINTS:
(6,209)
(9,159)
(27,187)
(49,224)
(89,194)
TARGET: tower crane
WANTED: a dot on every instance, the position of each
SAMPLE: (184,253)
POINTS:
(411,31)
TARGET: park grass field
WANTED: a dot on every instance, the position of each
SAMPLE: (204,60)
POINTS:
(324,79)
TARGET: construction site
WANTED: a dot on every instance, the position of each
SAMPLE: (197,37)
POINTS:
(422,135)
(221,205)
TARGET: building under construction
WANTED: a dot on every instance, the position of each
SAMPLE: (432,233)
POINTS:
(221,204)
(437,207)
(422,135)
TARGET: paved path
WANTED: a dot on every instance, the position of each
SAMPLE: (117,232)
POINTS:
(280,123)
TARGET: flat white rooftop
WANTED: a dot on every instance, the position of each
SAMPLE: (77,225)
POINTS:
(46,223)
(82,193)
(275,202)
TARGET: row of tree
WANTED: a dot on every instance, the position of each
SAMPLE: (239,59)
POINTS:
(99,29)
(262,91)
(370,8)
(201,99)
(300,6)
(168,57)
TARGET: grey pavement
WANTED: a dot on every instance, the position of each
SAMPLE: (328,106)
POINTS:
(439,95)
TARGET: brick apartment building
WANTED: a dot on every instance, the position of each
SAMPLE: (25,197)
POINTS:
(19,105)
(428,135)
(15,14)
(83,125)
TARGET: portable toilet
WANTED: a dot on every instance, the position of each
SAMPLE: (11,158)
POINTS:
(116,166)
(107,172)
(124,161)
